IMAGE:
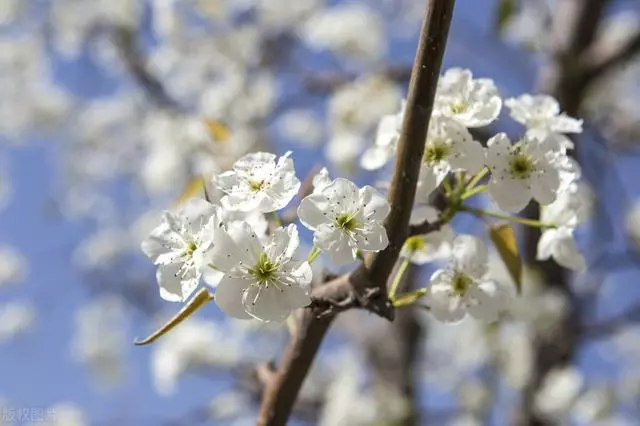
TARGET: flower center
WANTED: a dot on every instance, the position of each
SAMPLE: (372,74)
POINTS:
(435,152)
(264,271)
(415,244)
(461,283)
(191,247)
(458,107)
(346,222)
(521,166)
(257,185)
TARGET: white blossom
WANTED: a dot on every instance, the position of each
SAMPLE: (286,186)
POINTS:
(321,180)
(258,182)
(185,245)
(521,171)
(541,115)
(13,266)
(449,146)
(384,148)
(16,318)
(462,288)
(558,392)
(267,283)
(570,208)
(421,249)
(345,219)
(632,223)
(353,30)
(473,102)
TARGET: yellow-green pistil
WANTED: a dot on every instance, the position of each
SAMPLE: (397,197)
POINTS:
(415,243)
(256,185)
(191,247)
(435,152)
(458,107)
(346,222)
(521,166)
(264,272)
(461,283)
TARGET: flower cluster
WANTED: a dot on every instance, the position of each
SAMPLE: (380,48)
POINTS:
(226,245)
(256,273)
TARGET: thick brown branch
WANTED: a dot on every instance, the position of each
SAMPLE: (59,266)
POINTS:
(368,286)
(601,59)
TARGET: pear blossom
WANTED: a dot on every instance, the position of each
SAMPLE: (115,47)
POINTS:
(259,183)
(570,208)
(541,115)
(449,146)
(266,282)
(421,249)
(472,102)
(320,180)
(521,171)
(185,245)
(345,219)
(384,148)
(462,288)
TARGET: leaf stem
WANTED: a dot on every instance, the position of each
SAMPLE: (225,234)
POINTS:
(315,252)
(476,179)
(398,278)
(528,222)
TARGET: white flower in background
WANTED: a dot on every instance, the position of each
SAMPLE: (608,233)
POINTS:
(100,338)
(13,266)
(196,344)
(101,248)
(343,149)
(473,102)
(462,288)
(354,30)
(16,318)
(570,208)
(257,182)
(267,283)
(184,246)
(595,404)
(384,148)
(558,392)
(541,115)
(321,180)
(632,223)
(345,219)
(449,147)
(520,172)
(301,126)
(421,249)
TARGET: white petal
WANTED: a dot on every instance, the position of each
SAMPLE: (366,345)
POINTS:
(566,253)
(445,306)
(387,132)
(498,151)
(565,124)
(422,213)
(344,194)
(544,185)
(173,287)
(470,255)
(266,303)
(248,243)
(162,240)
(375,206)
(228,296)
(226,181)
(312,210)
(216,249)
(373,239)
(321,180)
(511,195)
(335,243)
(430,178)
(468,156)
(282,244)
(487,301)
(545,244)
(196,212)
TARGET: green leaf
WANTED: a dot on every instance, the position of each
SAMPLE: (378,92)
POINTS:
(199,300)
(504,238)
(505,11)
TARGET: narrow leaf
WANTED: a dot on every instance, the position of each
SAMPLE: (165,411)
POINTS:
(199,300)
(505,11)
(218,130)
(504,238)
(194,188)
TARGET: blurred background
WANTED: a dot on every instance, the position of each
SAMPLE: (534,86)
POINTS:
(109,109)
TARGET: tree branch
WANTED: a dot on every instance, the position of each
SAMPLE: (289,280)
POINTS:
(367,286)
(601,59)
